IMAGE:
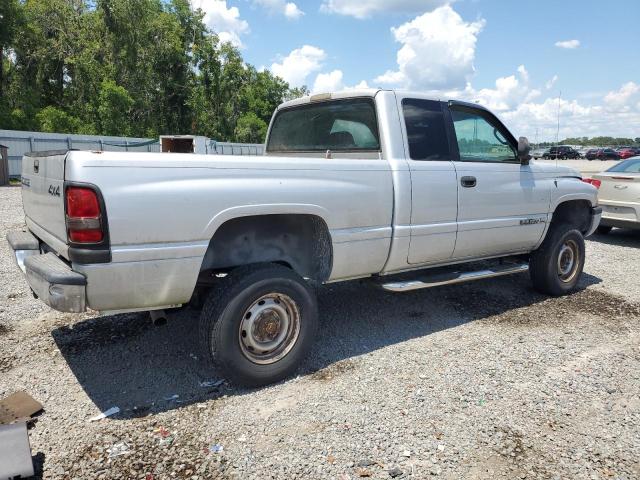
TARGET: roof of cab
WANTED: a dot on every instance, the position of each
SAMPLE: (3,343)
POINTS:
(369,92)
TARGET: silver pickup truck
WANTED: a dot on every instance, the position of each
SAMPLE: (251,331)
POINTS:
(354,184)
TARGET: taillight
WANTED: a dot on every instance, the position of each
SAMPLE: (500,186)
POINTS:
(84,218)
(592,181)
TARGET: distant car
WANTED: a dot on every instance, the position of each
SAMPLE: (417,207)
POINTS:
(628,152)
(563,151)
(619,191)
(538,153)
(607,154)
(591,154)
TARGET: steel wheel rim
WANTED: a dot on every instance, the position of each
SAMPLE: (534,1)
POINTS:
(269,328)
(568,261)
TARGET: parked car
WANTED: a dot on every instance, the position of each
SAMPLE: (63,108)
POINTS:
(628,152)
(563,152)
(607,154)
(591,154)
(619,195)
(539,152)
(361,184)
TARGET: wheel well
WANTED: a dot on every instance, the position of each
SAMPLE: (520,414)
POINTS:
(301,242)
(575,212)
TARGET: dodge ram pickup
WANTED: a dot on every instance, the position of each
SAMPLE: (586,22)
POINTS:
(358,184)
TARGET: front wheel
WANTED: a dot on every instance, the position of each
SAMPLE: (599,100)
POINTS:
(556,267)
(259,324)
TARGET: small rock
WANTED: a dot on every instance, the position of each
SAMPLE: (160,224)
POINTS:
(395,472)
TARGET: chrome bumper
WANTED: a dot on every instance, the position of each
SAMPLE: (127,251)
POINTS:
(596,215)
(50,278)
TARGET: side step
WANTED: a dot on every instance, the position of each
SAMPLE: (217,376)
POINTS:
(450,278)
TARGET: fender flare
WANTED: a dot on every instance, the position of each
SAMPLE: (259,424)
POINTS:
(263,209)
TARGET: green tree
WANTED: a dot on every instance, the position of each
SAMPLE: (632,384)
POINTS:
(114,105)
(52,119)
(250,129)
(135,67)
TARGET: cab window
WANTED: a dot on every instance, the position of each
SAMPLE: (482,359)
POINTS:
(426,132)
(340,125)
(480,138)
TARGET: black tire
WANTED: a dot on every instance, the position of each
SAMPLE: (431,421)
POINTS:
(545,263)
(604,230)
(223,338)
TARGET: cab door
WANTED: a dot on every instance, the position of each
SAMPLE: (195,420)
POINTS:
(434,186)
(502,205)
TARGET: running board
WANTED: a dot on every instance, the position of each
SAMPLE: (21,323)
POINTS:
(450,278)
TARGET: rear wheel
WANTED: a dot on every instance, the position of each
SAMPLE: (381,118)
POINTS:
(556,267)
(259,324)
(604,230)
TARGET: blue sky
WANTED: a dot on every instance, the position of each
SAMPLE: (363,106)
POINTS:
(513,56)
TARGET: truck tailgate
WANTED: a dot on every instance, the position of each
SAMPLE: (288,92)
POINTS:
(43,195)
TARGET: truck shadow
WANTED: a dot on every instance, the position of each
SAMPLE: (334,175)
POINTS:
(124,361)
(619,237)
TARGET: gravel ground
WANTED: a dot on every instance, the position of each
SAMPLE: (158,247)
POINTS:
(483,380)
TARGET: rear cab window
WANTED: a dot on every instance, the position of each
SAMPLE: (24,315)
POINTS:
(426,131)
(348,125)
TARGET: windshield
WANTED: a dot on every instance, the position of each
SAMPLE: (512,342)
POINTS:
(340,125)
(628,166)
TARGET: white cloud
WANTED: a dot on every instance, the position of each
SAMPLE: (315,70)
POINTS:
(299,64)
(292,11)
(333,82)
(365,8)
(438,49)
(569,44)
(281,7)
(551,82)
(622,98)
(612,115)
(508,93)
(328,82)
(226,22)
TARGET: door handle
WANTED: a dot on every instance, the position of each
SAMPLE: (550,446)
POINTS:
(468,182)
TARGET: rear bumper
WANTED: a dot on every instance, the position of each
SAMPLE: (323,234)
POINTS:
(50,278)
(620,214)
(596,215)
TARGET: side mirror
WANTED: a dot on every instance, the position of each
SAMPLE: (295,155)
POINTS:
(523,150)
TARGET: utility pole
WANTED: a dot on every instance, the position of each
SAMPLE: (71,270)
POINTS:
(558,130)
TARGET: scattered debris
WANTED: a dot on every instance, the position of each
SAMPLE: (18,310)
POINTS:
(395,472)
(363,472)
(406,453)
(166,438)
(15,452)
(165,442)
(217,448)
(119,448)
(331,459)
(344,476)
(366,463)
(211,383)
(441,447)
(105,414)
(19,406)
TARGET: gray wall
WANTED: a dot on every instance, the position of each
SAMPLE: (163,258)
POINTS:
(20,142)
